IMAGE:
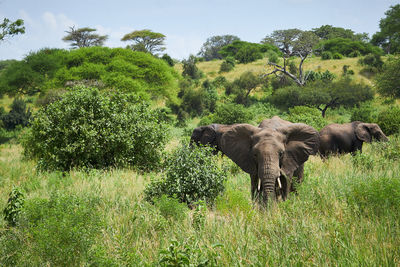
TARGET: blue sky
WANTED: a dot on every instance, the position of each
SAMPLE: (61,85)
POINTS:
(186,23)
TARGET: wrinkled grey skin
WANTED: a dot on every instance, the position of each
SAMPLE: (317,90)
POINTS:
(270,155)
(348,137)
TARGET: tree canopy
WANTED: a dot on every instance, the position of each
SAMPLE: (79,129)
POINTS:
(210,49)
(327,32)
(8,28)
(388,81)
(84,37)
(389,35)
(146,41)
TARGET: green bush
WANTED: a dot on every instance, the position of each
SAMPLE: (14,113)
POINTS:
(365,113)
(18,115)
(168,59)
(231,113)
(326,55)
(307,115)
(337,55)
(273,57)
(59,231)
(227,65)
(191,174)
(88,128)
(389,120)
(171,208)
(190,69)
(14,206)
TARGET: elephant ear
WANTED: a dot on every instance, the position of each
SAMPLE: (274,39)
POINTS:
(236,143)
(362,132)
(301,141)
(208,136)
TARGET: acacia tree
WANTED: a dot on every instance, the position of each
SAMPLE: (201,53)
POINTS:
(146,41)
(84,37)
(8,28)
(388,81)
(389,35)
(210,49)
(292,42)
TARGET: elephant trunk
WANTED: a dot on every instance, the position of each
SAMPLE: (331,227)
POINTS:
(268,174)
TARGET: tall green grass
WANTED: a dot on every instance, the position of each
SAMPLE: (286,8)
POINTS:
(346,213)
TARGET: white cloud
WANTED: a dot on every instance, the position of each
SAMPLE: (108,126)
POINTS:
(181,47)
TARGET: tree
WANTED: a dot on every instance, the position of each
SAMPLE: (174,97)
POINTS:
(389,35)
(190,69)
(146,41)
(388,81)
(210,49)
(323,95)
(327,32)
(243,86)
(83,37)
(292,42)
(8,28)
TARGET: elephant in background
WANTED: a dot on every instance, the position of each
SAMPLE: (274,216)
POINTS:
(348,137)
(270,155)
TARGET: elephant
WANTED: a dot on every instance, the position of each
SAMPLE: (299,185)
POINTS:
(348,137)
(270,155)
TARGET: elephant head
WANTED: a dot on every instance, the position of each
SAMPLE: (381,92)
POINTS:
(366,132)
(205,135)
(270,156)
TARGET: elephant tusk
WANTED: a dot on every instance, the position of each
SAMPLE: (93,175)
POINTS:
(259,184)
(279,183)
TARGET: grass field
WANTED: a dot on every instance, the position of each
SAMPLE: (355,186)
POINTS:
(346,213)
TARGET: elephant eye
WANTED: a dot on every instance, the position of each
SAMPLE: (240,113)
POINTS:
(281,154)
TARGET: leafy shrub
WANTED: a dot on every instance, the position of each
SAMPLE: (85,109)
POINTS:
(355,54)
(365,113)
(390,151)
(171,208)
(326,55)
(307,115)
(247,54)
(337,55)
(88,128)
(191,174)
(219,82)
(273,57)
(18,115)
(168,59)
(326,76)
(49,97)
(363,161)
(389,120)
(371,60)
(227,65)
(190,69)
(14,206)
(199,215)
(348,47)
(231,113)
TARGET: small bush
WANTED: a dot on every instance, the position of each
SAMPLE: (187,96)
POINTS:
(389,120)
(97,130)
(337,55)
(273,57)
(365,113)
(307,115)
(18,115)
(227,65)
(231,113)
(199,215)
(14,206)
(168,59)
(191,174)
(363,161)
(326,55)
(190,69)
(171,208)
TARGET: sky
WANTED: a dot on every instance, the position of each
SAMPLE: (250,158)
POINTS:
(186,23)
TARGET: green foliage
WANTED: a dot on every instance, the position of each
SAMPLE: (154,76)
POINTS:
(227,65)
(8,28)
(242,86)
(389,120)
(327,32)
(389,151)
(146,41)
(199,215)
(84,37)
(365,113)
(273,57)
(171,208)
(388,37)
(211,48)
(191,174)
(307,115)
(190,69)
(231,113)
(115,68)
(245,52)
(325,76)
(88,128)
(14,206)
(347,47)
(19,115)
(168,59)
(337,55)
(388,81)
(326,55)
(59,231)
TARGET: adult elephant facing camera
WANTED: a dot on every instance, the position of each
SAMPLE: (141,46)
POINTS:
(348,137)
(269,155)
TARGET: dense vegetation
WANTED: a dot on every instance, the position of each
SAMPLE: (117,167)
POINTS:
(96,167)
